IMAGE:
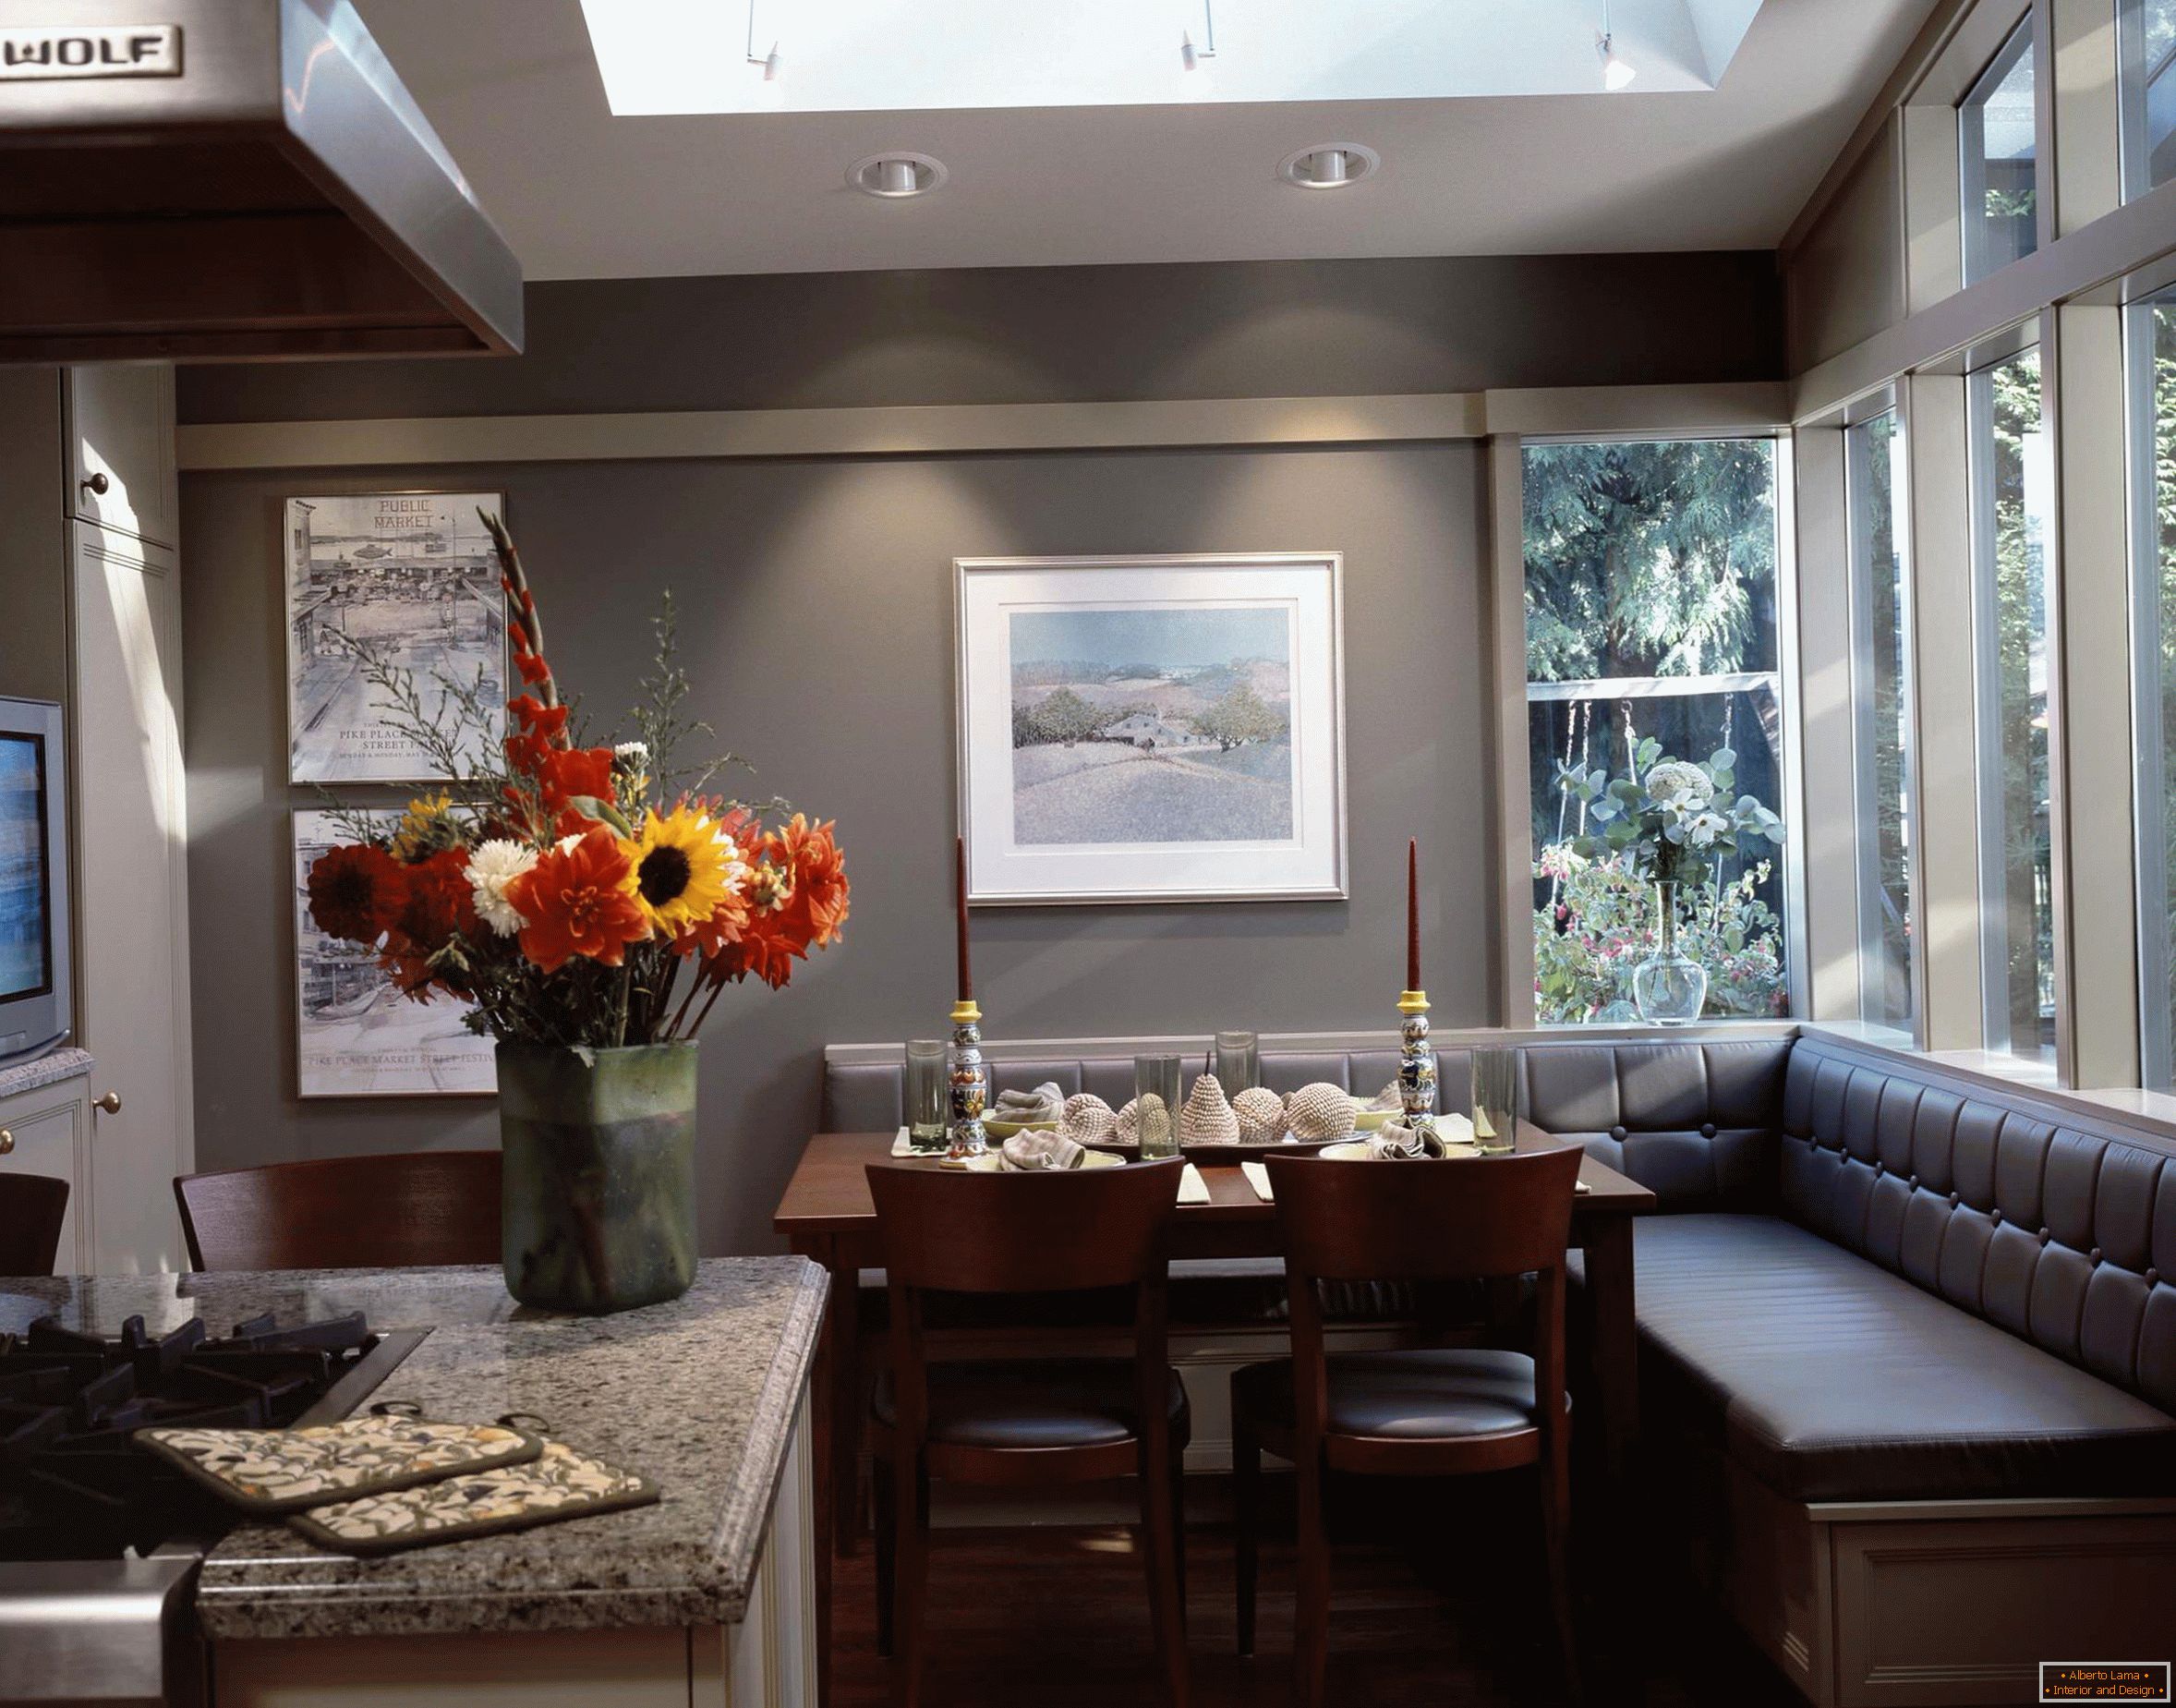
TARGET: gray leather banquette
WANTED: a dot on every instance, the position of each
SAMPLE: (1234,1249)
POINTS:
(1871,1280)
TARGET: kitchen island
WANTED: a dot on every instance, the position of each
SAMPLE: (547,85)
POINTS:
(705,1597)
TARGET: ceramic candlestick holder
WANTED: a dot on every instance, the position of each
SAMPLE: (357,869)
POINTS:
(971,1083)
(1416,1063)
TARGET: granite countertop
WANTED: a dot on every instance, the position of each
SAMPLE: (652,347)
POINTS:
(699,1394)
(41,1070)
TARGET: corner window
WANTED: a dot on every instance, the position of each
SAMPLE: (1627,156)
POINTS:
(2153,628)
(1652,608)
(2011,477)
(1998,136)
(1874,476)
(2145,38)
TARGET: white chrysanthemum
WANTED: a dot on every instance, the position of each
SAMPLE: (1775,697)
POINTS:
(1674,783)
(491,868)
(632,754)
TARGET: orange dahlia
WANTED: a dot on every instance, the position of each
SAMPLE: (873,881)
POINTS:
(579,900)
(357,892)
(815,907)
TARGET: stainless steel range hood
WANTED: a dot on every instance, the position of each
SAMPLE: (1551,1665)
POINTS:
(230,180)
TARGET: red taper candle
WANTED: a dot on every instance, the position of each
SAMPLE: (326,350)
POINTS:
(959,867)
(1412,914)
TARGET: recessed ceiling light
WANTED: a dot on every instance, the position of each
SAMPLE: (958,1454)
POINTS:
(897,176)
(1329,166)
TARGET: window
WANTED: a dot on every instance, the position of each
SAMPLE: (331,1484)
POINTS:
(2012,473)
(2146,37)
(2153,628)
(1997,133)
(1651,608)
(1880,692)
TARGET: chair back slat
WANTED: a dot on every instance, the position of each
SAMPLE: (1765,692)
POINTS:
(1060,1232)
(1343,1220)
(32,1207)
(412,1210)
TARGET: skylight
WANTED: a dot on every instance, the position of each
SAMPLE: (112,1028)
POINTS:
(671,56)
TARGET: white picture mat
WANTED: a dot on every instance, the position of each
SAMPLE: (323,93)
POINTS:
(378,1043)
(1309,866)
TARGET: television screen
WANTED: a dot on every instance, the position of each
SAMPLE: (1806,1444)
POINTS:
(26,928)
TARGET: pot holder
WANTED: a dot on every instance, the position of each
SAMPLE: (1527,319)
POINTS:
(268,1472)
(562,1484)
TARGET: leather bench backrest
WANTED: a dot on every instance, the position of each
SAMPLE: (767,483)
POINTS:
(2056,1226)
(1696,1122)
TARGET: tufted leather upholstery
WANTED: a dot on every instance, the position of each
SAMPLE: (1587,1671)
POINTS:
(2057,1227)
(1032,1403)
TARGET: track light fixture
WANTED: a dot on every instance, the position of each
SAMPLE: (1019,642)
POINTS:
(1190,56)
(1617,72)
(771,92)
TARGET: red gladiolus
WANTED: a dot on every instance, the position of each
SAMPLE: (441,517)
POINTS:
(568,773)
(579,900)
(357,892)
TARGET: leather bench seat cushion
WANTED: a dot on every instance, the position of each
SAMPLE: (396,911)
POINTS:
(1424,1395)
(1205,1292)
(1832,1380)
(1032,1403)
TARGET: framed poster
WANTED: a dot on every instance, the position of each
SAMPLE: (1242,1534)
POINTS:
(356,1036)
(410,576)
(1151,729)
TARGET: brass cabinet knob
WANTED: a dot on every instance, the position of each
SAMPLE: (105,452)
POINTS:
(7,1141)
(111,1103)
(97,484)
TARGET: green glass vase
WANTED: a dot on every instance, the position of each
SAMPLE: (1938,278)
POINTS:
(598,1207)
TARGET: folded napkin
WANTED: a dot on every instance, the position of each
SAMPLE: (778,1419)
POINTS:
(1258,1178)
(1045,1102)
(1446,1135)
(1192,1188)
(1031,1151)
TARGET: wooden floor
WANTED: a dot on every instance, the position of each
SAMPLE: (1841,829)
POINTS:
(1435,1606)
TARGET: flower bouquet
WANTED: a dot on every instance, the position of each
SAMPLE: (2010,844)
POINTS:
(589,903)
(1669,821)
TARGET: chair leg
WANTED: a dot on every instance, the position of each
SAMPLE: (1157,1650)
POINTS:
(1166,1603)
(1179,1529)
(1246,1491)
(1555,1478)
(1311,1624)
(887,1517)
(910,1582)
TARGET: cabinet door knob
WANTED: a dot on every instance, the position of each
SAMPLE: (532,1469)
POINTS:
(97,484)
(7,1141)
(111,1103)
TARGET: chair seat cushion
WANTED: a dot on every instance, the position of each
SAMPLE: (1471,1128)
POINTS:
(1032,1403)
(1413,1395)
(1832,1380)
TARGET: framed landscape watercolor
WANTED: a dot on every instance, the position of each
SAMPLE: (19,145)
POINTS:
(411,575)
(356,1036)
(1151,729)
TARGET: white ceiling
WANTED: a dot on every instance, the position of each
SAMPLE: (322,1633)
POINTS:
(659,56)
(514,89)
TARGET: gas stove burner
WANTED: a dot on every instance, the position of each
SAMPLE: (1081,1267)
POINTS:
(72,1484)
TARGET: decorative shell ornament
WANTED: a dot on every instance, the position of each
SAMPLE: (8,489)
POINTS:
(1086,1118)
(1207,1118)
(1389,1098)
(1261,1114)
(1319,1112)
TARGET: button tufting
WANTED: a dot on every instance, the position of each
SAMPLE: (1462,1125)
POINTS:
(1880,1168)
(2152,1277)
(1955,1199)
(1994,1218)
(2044,1236)
(1707,1129)
(2093,1257)
(1617,1133)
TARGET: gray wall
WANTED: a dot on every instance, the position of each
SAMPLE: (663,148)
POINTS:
(1037,334)
(816,605)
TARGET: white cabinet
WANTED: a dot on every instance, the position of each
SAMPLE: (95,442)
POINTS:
(121,449)
(47,1132)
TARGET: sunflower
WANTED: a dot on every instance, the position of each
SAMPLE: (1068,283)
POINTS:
(685,870)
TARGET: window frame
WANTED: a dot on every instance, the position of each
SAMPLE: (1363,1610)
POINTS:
(2135,77)
(2023,40)
(2150,809)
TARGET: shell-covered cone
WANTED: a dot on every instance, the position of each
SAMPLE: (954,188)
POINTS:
(1086,1118)
(1389,1098)
(1319,1112)
(1207,1118)
(1261,1114)
(1126,1126)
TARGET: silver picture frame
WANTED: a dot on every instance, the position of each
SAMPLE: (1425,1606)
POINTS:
(1016,859)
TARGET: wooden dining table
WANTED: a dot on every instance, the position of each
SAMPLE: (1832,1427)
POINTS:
(827,1215)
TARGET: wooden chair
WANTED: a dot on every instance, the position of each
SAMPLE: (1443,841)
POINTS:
(1447,1413)
(410,1210)
(32,1207)
(1023,1424)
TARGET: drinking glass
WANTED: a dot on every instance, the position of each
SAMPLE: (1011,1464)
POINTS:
(929,1094)
(1237,1062)
(1497,1100)
(1155,1104)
